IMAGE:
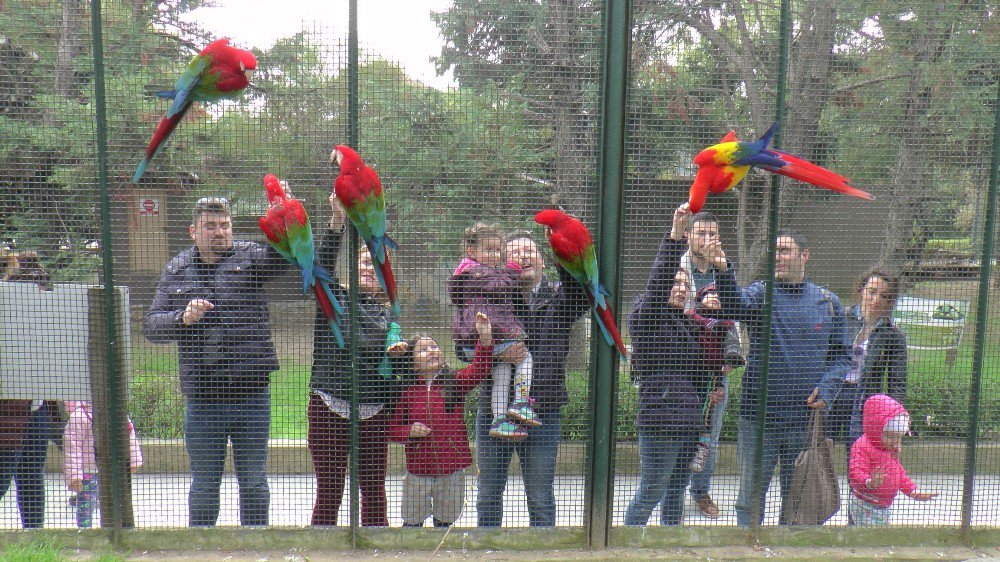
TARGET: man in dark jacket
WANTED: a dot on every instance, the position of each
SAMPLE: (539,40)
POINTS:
(548,314)
(211,302)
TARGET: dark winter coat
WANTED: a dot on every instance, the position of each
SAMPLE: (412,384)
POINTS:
(668,360)
(230,351)
(331,368)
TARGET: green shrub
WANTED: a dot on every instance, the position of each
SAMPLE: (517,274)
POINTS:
(156,404)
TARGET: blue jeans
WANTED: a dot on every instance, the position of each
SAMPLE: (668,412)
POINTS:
(26,467)
(537,455)
(783,441)
(664,456)
(701,482)
(208,426)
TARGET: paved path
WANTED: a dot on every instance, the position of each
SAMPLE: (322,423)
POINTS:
(161,501)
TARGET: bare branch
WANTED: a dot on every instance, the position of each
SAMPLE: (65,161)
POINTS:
(871,81)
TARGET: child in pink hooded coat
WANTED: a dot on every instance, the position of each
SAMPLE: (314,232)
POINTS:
(80,462)
(876,474)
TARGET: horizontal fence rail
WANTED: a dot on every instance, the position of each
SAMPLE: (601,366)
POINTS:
(791,355)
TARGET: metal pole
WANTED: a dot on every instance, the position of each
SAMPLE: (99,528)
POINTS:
(353,308)
(604,358)
(110,300)
(982,313)
(772,229)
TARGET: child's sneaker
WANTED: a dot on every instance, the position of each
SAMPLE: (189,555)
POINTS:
(507,429)
(521,411)
(700,457)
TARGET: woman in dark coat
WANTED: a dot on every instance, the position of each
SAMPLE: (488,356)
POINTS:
(669,366)
(330,391)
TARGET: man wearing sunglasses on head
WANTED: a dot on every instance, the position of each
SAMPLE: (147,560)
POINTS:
(211,302)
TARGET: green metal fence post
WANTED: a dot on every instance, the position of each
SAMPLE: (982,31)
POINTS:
(604,358)
(772,230)
(982,313)
(353,308)
(110,301)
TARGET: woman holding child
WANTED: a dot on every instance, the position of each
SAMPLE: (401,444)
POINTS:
(669,365)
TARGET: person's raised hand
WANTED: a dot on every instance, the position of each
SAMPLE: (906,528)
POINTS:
(715,255)
(484,328)
(812,401)
(397,348)
(682,216)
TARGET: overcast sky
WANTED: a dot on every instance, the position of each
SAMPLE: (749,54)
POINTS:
(400,30)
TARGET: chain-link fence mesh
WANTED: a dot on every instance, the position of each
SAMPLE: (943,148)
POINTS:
(899,98)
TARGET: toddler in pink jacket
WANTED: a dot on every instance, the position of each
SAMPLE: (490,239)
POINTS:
(80,462)
(876,474)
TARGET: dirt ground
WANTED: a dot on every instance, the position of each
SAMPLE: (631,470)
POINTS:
(700,553)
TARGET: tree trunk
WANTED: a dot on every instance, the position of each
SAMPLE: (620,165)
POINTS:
(67,49)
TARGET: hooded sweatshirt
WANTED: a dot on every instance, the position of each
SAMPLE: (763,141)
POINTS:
(78,442)
(868,453)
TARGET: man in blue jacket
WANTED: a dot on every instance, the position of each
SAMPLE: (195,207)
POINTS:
(810,354)
(211,302)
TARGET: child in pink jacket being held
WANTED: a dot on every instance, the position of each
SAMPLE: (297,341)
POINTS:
(80,462)
(876,474)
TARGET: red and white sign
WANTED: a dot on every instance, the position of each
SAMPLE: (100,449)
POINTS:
(149,206)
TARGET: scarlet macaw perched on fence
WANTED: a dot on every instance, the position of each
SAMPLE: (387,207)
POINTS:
(360,192)
(722,166)
(287,228)
(574,250)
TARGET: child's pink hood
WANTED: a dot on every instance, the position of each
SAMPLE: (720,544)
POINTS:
(878,410)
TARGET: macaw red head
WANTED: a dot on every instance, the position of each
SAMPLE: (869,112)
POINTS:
(248,62)
(236,59)
(346,158)
(275,191)
(552,218)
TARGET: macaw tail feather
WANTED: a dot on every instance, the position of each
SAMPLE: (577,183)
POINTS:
(163,130)
(765,139)
(805,171)
(324,279)
(380,245)
(330,307)
(606,320)
(383,269)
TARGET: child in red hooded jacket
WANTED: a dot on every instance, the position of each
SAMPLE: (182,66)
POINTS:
(876,474)
(429,420)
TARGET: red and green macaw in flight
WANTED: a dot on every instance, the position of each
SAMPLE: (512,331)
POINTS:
(722,166)
(287,228)
(217,72)
(574,250)
(360,192)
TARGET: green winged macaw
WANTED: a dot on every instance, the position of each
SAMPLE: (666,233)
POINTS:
(287,228)
(360,192)
(217,72)
(722,166)
(574,251)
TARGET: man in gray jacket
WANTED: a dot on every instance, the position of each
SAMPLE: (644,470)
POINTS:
(211,302)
